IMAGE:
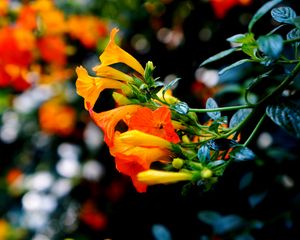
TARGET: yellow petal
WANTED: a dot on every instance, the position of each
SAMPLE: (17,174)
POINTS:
(114,54)
(90,87)
(138,138)
(109,72)
(151,177)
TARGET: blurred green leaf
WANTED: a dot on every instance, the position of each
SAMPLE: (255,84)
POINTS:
(160,232)
(262,11)
(286,114)
(219,56)
(283,14)
(221,144)
(170,85)
(181,108)
(296,21)
(271,45)
(240,62)
(242,38)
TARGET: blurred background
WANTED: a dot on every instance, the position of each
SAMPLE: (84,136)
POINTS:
(57,179)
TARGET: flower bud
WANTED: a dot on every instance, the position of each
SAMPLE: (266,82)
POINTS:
(177,163)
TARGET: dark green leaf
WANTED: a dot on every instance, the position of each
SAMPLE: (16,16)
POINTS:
(244,236)
(227,224)
(215,164)
(262,11)
(221,144)
(181,108)
(219,56)
(209,217)
(233,65)
(271,45)
(211,104)
(160,232)
(170,85)
(255,199)
(203,154)
(257,80)
(296,22)
(246,180)
(242,154)
(242,38)
(239,116)
(283,14)
(286,114)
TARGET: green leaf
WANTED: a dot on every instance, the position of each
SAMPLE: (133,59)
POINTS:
(209,217)
(271,45)
(242,154)
(221,144)
(239,116)
(203,154)
(283,14)
(181,108)
(211,104)
(215,164)
(234,65)
(242,38)
(219,56)
(296,22)
(257,80)
(250,49)
(262,11)
(286,114)
(293,34)
(160,232)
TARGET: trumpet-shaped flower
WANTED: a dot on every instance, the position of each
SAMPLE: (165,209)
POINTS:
(114,54)
(90,87)
(156,122)
(111,73)
(152,177)
(108,120)
(141,139)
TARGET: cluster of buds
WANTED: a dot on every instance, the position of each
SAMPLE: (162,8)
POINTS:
(154,137)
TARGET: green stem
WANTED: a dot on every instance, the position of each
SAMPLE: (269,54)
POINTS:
(281,86)
(230,108)
(254,130)
(291,40)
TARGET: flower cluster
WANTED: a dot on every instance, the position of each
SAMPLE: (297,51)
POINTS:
(33,42)
(154,137)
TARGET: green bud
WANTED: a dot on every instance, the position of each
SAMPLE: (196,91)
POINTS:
(206,173)
(177,163)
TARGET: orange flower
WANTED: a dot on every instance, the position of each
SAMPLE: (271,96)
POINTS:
(53,49)
(57,118)
(87,29)
(157,122)
(221,7)
(3,7)
(114,54)
(108,120)
(90,87)
(27,18)
(130,166)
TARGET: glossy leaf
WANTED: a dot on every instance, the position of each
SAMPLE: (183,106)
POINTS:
(250,49)
(271,45)
(287,115)
(239,116)
(221,144)
(219,56)
(181,108)
(211,104)
(296,22)
(240,62)
(283,14)
(215,164)
(203,154)
(242,154)
(262,11)
(294,34)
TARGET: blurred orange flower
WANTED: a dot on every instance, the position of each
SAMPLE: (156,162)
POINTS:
(57,118)
(87,29)
(91,216)
(3,7)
